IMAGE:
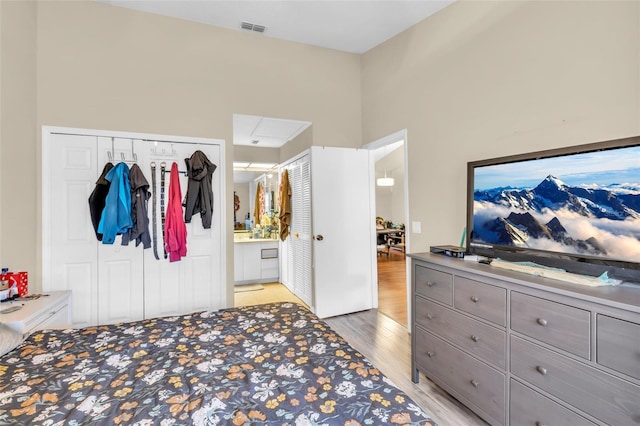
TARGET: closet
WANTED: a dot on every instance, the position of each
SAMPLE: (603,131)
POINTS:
(115,283)
(329,258)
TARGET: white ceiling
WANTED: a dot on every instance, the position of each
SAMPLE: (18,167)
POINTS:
(265,132)
(348,25)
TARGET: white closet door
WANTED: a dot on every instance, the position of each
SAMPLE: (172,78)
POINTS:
(120,272)
(305,283)
(299,241)
(343,224)
(70,257)
(287,253)
(113,283)
(194,283)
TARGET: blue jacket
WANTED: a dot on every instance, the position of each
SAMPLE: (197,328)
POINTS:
(116,216)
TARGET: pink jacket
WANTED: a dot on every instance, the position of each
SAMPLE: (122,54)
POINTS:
(175,231)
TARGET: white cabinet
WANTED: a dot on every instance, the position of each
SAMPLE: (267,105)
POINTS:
(115,283)
(50,311)
(256,261)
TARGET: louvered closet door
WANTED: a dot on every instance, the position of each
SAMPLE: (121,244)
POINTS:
(297,247)
(303,265)
(69,243)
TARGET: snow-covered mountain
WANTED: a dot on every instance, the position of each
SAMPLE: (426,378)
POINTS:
(523,225)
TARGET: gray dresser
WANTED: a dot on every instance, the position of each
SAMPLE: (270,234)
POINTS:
(523,350)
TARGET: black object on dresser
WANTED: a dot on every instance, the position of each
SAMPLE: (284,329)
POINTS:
(519,349)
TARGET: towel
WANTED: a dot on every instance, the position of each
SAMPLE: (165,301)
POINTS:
(285,205)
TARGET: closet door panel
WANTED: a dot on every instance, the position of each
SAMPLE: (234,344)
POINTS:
(193,283)
(120,268)
(200,292)
(69,241)
(120,284)
(162,287)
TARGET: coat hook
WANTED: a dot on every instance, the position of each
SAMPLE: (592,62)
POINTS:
(134,156)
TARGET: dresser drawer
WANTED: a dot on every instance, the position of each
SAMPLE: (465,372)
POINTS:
(528,407)
(473,381)
(434,284)
(559,325)
(612,400)
(618,345)
(482,340)
(483,300)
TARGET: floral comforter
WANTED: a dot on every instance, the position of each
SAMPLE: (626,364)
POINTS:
(266,364)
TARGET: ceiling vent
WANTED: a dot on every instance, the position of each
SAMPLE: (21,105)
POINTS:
(252,27)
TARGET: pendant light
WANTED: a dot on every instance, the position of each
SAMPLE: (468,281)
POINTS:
(385,181)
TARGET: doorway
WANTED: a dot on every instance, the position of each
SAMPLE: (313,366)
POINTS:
(391,224)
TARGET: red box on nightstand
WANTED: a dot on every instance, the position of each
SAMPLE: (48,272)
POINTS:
(20,279)
(23,283)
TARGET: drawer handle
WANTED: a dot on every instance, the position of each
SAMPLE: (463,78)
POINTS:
(474,383)
(431,354)
(543,322)
(540,424)
(475,338)
(429,317)
(430,283)
(474,299)
(540,369)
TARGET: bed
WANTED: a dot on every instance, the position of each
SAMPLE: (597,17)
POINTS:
(264,364)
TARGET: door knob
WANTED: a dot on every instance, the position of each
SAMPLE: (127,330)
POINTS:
(319,237)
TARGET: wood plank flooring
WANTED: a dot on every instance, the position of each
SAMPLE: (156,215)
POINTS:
(387,344)
(392,286)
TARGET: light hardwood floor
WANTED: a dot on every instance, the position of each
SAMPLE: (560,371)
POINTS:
(392,286)
(387,344)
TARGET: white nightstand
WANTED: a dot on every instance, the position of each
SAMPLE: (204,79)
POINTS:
(52,311)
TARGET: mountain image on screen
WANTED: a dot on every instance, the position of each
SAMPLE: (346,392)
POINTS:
(597,220)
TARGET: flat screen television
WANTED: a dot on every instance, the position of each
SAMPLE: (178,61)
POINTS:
(576,208)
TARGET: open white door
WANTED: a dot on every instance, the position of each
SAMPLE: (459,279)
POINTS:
(343,231)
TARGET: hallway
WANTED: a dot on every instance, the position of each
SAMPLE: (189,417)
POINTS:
(392,288)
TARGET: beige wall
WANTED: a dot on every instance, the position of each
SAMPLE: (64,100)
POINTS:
(477,80)
(486,79)
(104,67)
(19,165)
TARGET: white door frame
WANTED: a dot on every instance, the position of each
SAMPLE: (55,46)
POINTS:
(47,146)
(379,143)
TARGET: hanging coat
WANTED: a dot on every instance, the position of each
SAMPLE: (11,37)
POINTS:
(175,231)
(285,205)
(139,231)
(116,216)
(98,198)
(199,197)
